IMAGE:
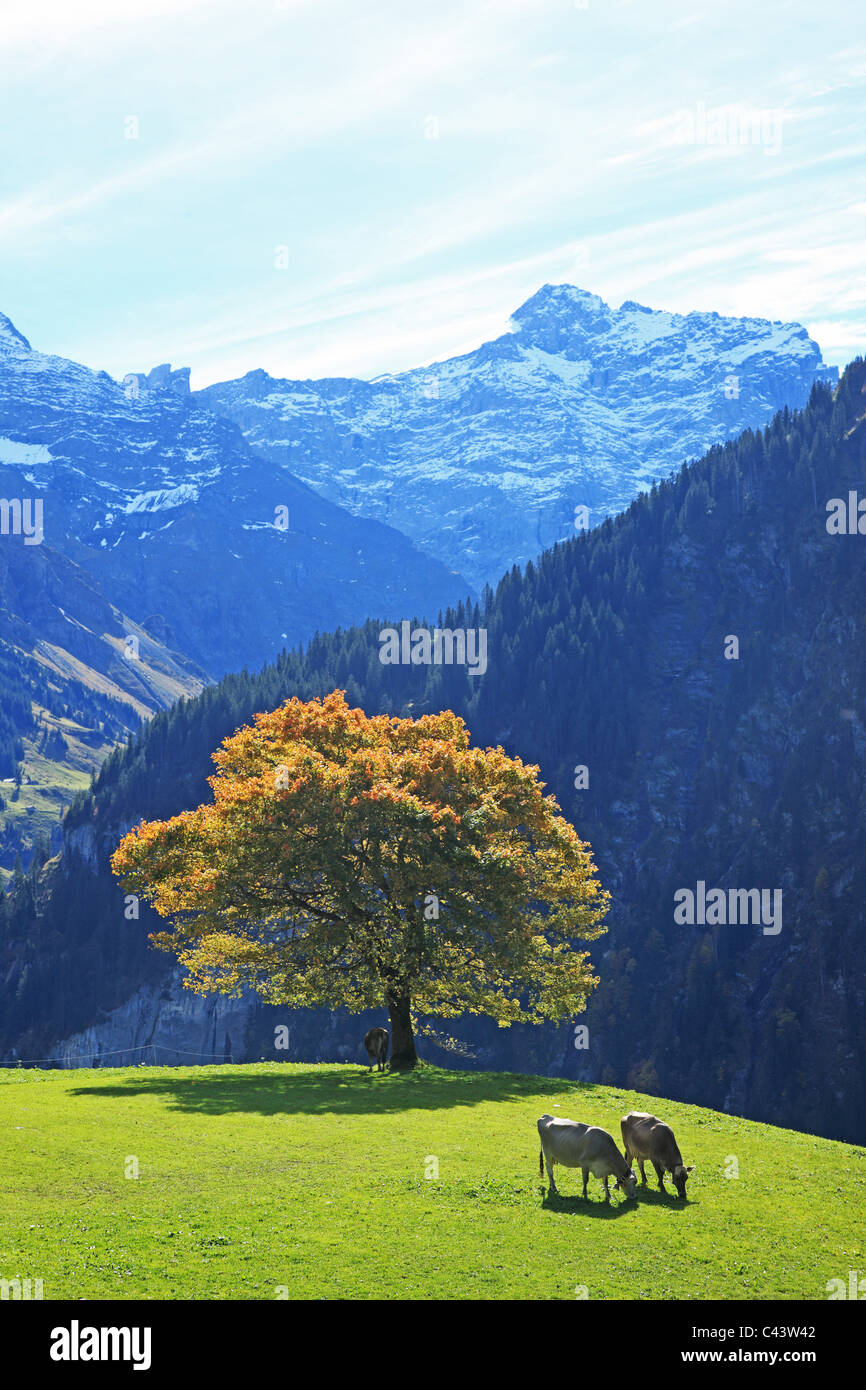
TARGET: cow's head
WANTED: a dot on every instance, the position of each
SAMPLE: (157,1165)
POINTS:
(681,1177)
(628,1185)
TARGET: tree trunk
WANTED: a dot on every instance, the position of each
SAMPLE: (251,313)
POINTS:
(403,1054)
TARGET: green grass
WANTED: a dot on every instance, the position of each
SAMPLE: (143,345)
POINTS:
(48,787)
(312,1179)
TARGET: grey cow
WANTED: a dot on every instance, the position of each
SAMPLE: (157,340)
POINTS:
(583,1146)
(376,1043)
(646,1137)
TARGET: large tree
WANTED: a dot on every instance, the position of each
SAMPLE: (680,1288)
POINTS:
(356,861)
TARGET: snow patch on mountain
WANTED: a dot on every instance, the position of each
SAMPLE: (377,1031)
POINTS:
(163,500)
(22,455)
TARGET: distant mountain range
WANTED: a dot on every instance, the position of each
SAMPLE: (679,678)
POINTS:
(185,528)
(483,459)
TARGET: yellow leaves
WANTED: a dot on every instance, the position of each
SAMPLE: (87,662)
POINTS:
(306,876)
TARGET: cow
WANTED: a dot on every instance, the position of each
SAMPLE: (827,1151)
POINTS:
(376,1043)
(583,1146)
(646,1137)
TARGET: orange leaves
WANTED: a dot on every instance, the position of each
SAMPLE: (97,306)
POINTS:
(307,876)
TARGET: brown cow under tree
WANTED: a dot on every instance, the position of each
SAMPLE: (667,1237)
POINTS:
(376,1043)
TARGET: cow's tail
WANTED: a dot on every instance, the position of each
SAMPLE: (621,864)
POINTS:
(541,1163)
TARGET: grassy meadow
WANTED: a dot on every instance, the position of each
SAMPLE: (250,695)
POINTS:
(325,1182)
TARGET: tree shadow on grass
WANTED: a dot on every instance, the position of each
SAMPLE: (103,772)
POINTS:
(335,1091)
(594,1207)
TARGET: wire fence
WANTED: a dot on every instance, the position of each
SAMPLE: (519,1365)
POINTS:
(154,1048)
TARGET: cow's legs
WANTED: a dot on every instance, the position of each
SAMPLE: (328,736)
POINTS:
(550,1178)
(642,1171)
(660,1174)
(606,1189)
(585,1181)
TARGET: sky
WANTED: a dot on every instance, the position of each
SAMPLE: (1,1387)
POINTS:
(323,188)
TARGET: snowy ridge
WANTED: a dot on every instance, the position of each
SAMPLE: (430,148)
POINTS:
(482,459)
(166,507)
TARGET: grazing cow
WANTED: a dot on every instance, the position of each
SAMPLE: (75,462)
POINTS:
(645,1137)
(583,1146)
(376,1043)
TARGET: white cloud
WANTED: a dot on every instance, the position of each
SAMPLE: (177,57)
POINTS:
(557,159)
(41,22)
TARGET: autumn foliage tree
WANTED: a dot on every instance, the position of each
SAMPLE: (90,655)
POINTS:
(358,861)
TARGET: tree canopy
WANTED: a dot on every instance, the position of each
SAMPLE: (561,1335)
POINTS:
(359,861)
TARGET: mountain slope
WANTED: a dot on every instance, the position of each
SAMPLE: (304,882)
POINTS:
(484,458)
(610,654)
(183,526)
(76,676)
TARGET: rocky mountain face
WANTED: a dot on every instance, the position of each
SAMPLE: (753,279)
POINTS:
(54,613)
(692,763)
(483,460)
(187,531)
(163,1023)
(77,675)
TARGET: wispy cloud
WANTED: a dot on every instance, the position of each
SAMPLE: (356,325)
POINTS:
(425,167)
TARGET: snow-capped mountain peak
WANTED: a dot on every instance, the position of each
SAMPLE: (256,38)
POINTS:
(10,338)
(558,315)
(483,459)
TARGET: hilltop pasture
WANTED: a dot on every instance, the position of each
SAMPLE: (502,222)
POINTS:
(325,1182)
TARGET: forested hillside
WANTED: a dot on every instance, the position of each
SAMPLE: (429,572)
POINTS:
(609,654)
